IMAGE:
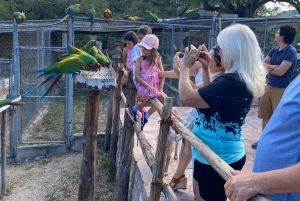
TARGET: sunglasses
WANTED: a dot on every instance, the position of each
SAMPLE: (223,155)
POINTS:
(217,54)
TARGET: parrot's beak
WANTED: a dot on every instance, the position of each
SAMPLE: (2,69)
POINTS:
(95,65)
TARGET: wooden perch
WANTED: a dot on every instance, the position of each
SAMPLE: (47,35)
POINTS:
(213,159)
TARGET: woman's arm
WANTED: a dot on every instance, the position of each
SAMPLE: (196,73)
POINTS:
(244,185)
(187,95)
(168,74)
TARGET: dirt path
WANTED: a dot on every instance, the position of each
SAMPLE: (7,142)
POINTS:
(54,179)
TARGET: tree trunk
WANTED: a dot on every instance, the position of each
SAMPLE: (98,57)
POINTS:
(126,147)
(89,147)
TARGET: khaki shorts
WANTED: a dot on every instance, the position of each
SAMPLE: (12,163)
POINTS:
(269,101)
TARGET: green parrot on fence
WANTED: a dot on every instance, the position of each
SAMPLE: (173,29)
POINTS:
(71,10)
(191,13)
(19,16)
(91,15)
(9,100)
(151,16)
(78,60)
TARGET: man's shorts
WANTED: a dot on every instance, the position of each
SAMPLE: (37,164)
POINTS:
(269,101)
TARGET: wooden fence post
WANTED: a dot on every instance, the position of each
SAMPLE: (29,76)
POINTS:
(126,143)
(116,120)
(3,152)
(110,114)
(86,190)
(158,170)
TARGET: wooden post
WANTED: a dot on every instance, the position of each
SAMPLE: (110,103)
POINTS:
(3,152)
(213,159)
(158,170)
(116,120)
(89,147)
(106,147)
(126,145)
(149,157)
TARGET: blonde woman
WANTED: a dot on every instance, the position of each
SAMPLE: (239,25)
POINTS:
(222,104)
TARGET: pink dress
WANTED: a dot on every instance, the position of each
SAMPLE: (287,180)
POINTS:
(150,75)
(129,62)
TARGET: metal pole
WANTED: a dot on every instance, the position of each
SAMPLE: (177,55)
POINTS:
(16,91)
(180,46)
(172,51)
(265,36)
(69,87)
(3,152)
(162,42)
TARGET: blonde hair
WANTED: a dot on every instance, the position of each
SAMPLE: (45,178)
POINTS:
(241,53)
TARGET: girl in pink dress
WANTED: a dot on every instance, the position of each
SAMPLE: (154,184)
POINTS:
(130,39)
(148,83)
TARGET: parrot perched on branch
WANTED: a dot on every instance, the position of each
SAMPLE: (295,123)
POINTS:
(91,15)
(107,14)
(101,58)
(20,17)
(151,16)
(191,13)
(10,101)
(78,60)
(71,10)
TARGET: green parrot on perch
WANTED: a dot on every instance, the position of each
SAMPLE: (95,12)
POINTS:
(19,16)
(71,10)
(78,60)
(191,13)
(151,16)
(91,15)
(9,100)
(101,58)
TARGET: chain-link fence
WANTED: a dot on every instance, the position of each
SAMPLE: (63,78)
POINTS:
(33,45)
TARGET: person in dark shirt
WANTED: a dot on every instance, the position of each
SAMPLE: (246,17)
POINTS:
(280,63)
(222,104)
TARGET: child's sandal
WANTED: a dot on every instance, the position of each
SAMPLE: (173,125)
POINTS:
(179,183)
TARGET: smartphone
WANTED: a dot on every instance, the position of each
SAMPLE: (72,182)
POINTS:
(201,56)
(180,55)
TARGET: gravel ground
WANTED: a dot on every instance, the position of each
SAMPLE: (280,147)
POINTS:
(54,178)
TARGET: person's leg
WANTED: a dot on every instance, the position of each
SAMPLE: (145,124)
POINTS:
(211,184)
(179,181)
(265,110)
(197,192)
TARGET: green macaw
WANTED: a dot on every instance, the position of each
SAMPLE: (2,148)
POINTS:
(20,17)
(88,46)
(9,100)
(191,13)
(151,16)
(91,15)
(101,58)
(71,10)
(78,60)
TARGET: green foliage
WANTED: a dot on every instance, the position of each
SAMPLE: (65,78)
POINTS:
(55,9)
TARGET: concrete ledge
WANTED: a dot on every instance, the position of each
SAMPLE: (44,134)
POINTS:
(38,151)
